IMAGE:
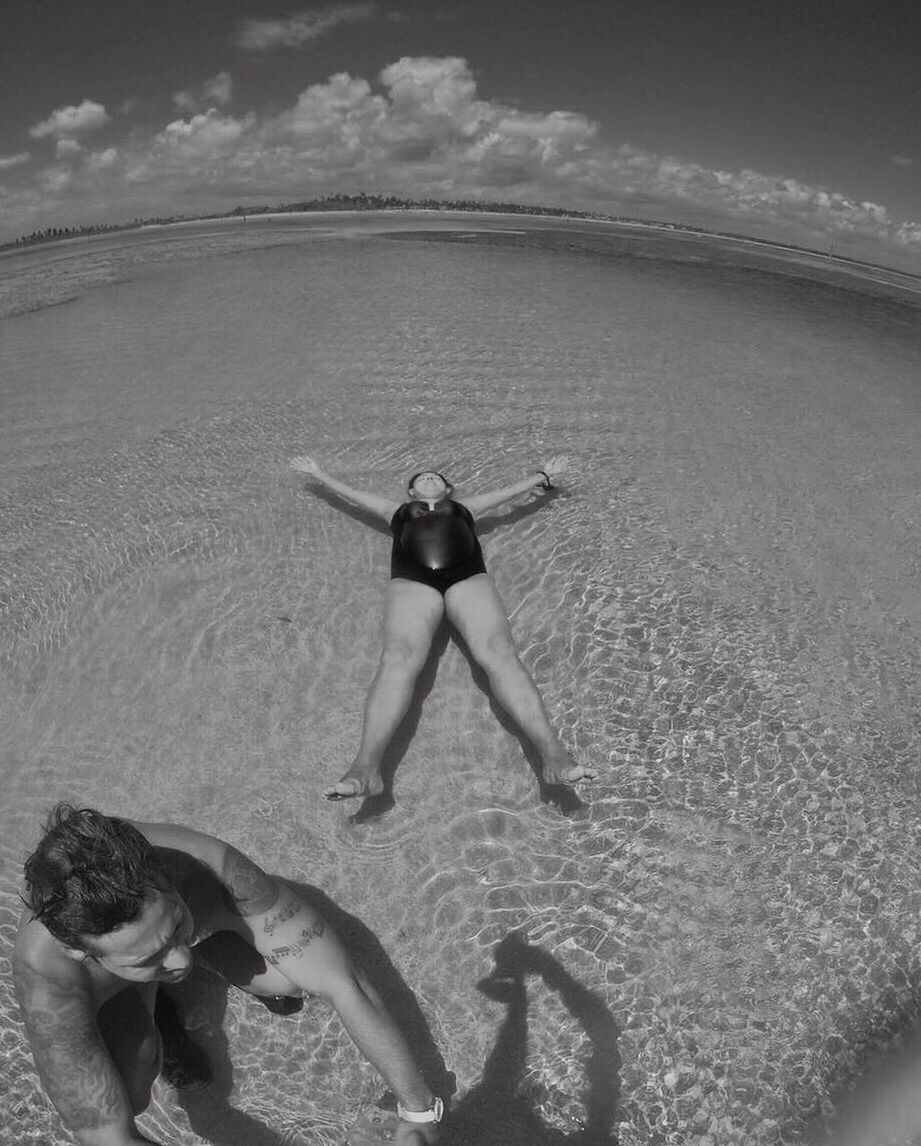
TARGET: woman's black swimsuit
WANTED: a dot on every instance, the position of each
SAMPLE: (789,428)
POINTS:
(436,547)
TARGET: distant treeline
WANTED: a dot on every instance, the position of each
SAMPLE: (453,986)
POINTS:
(53,234)
(364,202)
(337,202)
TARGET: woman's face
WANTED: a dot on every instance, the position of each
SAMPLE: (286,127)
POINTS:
(428,486)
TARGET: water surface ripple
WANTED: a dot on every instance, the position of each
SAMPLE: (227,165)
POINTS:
(720,607)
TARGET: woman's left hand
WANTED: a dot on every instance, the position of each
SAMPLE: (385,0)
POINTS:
(557,465)
(305,465)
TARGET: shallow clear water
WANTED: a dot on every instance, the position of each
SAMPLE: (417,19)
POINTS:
(720,608)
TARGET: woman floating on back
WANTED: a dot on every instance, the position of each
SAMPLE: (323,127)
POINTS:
(437,571)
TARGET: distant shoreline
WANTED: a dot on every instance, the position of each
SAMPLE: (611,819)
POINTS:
(331,210)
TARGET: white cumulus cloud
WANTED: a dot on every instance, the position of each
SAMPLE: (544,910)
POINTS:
(419,129)
(910,234)
(7,162)
(209,132)
(67,147)
(259,35)
(75,119)
(218,90)
(215,92)
(102,160)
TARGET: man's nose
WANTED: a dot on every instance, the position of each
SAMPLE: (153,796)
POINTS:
(178,959)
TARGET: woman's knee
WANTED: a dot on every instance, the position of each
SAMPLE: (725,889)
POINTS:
(402,656)
(497,654)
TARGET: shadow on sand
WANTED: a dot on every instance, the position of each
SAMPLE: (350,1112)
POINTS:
(209,1111)
(498,1111)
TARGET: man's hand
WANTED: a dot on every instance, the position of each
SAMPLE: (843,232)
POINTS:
(305,465)
(557,465)
(416,1134)
(376,1124)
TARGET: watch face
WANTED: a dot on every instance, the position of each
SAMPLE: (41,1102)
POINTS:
(438,1109)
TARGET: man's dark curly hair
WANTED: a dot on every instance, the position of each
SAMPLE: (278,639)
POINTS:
(89,874)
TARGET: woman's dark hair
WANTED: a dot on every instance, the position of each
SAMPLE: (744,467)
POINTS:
(89,874)
(412,480)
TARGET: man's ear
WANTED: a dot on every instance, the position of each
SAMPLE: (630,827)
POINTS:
(76,953)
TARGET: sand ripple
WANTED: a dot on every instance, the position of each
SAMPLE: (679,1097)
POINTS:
(728,925)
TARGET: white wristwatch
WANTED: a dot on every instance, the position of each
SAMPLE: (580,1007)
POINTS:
(433,1114)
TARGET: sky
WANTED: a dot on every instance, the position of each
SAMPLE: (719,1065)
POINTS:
(797,121)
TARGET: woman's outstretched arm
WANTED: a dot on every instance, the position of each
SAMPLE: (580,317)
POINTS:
(384,507)
(539,479)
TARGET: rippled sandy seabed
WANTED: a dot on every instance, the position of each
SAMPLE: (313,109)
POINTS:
(721,609)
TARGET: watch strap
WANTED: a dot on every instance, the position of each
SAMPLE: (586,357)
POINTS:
(433,1114)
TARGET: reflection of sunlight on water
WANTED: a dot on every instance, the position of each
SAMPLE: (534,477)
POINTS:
(189,634)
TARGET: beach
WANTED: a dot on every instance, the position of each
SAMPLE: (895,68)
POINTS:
(719,605)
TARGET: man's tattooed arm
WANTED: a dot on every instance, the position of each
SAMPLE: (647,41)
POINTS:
(252,891)
(75,1066)
(284,928)
(313,930)
(295,941)
(281,924)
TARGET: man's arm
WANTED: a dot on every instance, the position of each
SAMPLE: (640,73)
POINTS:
(75,1066)
(380,506)
(295,940)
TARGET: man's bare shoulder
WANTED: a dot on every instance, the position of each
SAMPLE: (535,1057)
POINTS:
(41,964)
(178,838)
(59,998)
(185,852)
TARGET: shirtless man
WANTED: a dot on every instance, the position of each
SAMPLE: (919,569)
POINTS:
(116,908)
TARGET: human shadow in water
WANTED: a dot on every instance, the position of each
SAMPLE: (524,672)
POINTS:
(205,995)
(209,1111)
(497,1111)
(562,796)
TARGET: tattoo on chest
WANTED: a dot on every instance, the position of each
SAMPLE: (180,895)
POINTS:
(291,950)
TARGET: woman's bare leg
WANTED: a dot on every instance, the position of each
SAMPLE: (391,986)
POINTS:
(412,614)
(476,611)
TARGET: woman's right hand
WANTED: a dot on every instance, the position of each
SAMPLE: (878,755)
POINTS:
(305,465)
(557,465)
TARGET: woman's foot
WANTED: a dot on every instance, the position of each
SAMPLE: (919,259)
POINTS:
(562,769)
(357,782)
